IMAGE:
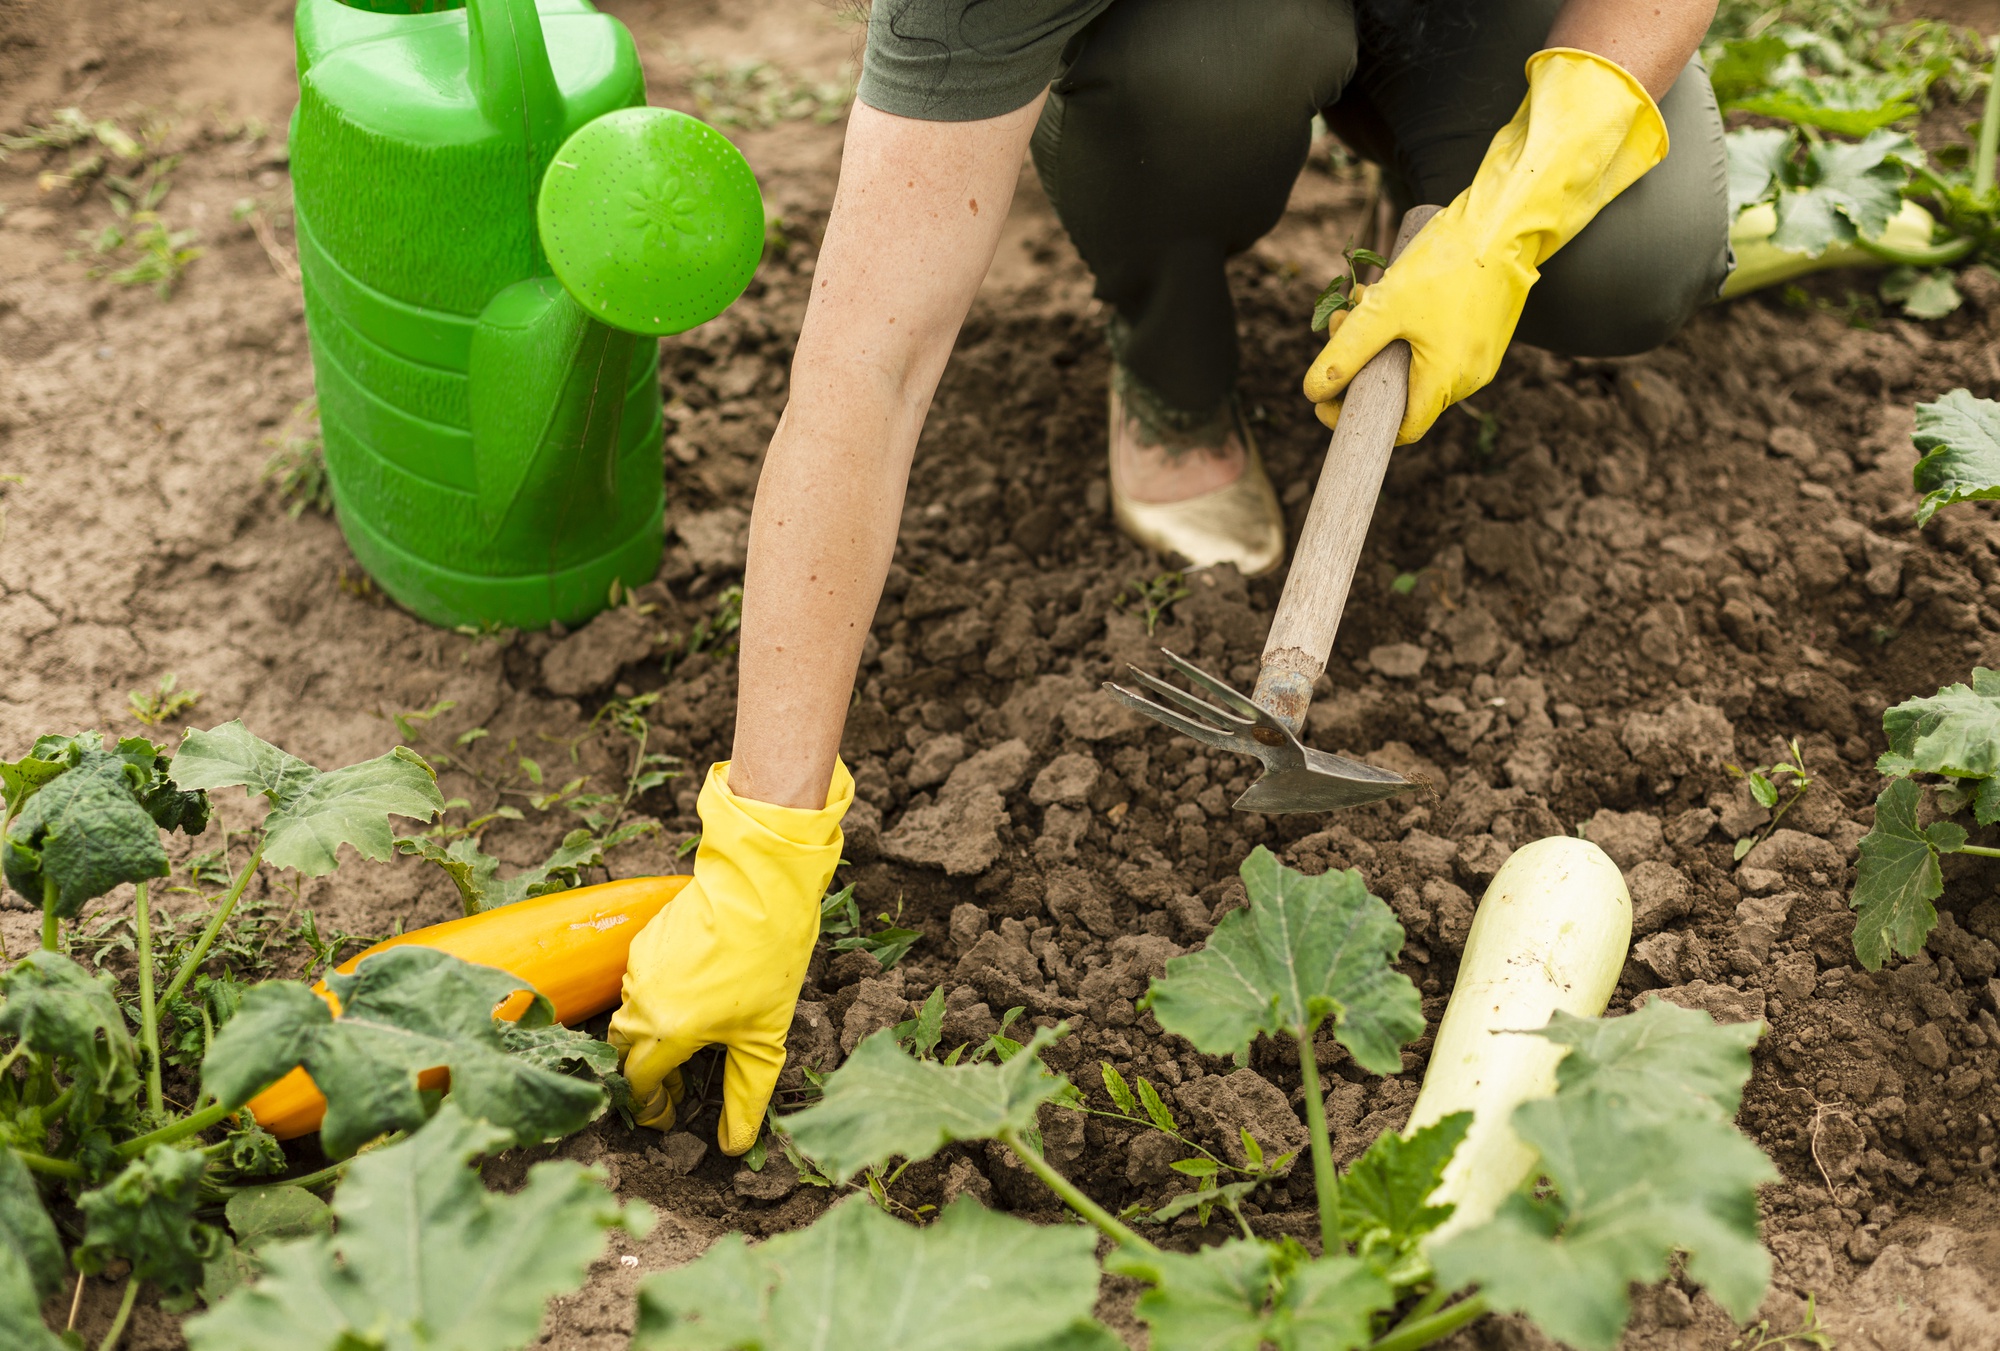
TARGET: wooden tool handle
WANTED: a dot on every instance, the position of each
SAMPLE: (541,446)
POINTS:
(1337,524)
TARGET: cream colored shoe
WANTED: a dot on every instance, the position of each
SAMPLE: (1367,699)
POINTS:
(1241,523)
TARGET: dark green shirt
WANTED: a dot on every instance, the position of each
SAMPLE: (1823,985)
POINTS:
(961,60)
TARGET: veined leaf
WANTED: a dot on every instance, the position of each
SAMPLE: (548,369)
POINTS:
(883,1104)
(476,873)
(257,1217)
(312,813)
(1743,66)
(1247,1294)
(1115,1085)
(403,1011)
(1898,877)
(1955,731)
(426,1258)
(85,830)
(1305,949)
(59,1010)
(146,1215)
(1928,293)
(1843,188)
(1385,1194)
(31,1259)
(1645,1163)
(860,1281)
(1851,106)
(1960,438)
(21,779)
(1758,158)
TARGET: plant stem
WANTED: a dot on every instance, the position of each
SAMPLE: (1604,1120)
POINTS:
(110,1341)
(175,1130)
(149,1014)
(1326,1182)
(1979,850)
(311,1181)
(1989,131)
(215,923)
(42,1163)
(51,932)
(1411,1334)
(1073,1197)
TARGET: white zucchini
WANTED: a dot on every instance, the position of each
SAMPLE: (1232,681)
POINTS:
(1551,933)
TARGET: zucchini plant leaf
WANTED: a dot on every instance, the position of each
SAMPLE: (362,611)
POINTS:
(426,1256)
(1645,1162)
(1385,1194)
(59,1010)
(1247,1293)
(31,1258)
(1927,293)
(402,1012)
(1960,440)
(476,873)
(21,779)
(1955,731)
(884,1104)
(1897,877)
(1843,189)
(1305,949)
(146,1215)
(312,813)
(1758,160)
(85,830)
(259,1216)
(1853,105)
(858,1280)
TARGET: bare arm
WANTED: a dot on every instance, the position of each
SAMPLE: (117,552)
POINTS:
(914,225)
(1652,39)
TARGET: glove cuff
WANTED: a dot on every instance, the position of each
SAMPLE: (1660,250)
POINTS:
(803,828)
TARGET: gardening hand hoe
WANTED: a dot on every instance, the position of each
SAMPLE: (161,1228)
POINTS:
(1267,725)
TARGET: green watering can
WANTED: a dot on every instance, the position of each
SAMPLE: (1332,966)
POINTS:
(489,222)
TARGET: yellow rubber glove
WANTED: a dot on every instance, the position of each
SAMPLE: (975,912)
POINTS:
(723,964)
(1586,131)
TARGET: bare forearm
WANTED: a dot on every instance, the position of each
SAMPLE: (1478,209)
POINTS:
(913,229)
(1652,39)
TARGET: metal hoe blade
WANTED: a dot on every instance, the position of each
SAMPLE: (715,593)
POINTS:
(1296,778)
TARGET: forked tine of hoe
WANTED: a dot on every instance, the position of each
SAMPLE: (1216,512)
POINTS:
(1232,698)
(1221,719)
(1206,732)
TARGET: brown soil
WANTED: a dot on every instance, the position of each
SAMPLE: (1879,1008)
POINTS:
(1661,566)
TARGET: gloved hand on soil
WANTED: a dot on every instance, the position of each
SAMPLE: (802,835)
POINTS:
(722,964)
(1585,133)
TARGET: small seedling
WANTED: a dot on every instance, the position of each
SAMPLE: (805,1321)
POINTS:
(1344,291)
(297,464)
(164,703)
(1155,597)
(712,630)
(1767,785)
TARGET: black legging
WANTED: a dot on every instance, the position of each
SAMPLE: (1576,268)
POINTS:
(1173,134)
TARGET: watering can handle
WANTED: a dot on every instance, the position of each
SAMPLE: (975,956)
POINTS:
(511,78)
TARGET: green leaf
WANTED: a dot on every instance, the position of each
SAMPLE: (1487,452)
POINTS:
(146,1215)
(882,1104)
(1960,440)
(1115,1085)
(1247,1294)
(1843,188)
(59,1010)
(403,1011)
(476,873)
(1853,106)
(248,1151)
(1156,1110)
(1196,1167)
(1229,1194)
(31,1259)
(312,813)
(920,1035)
(21,779)
(85,831)
(1758,159)
(888,946)
(1306,948)
(1742,66)
(264,1215)
(1898,877)
(425,1256)
(1924,294)
(1384,1195)
(859,1281)
(1644,1161)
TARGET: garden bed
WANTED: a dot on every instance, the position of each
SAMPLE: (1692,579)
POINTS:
(1577,611)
